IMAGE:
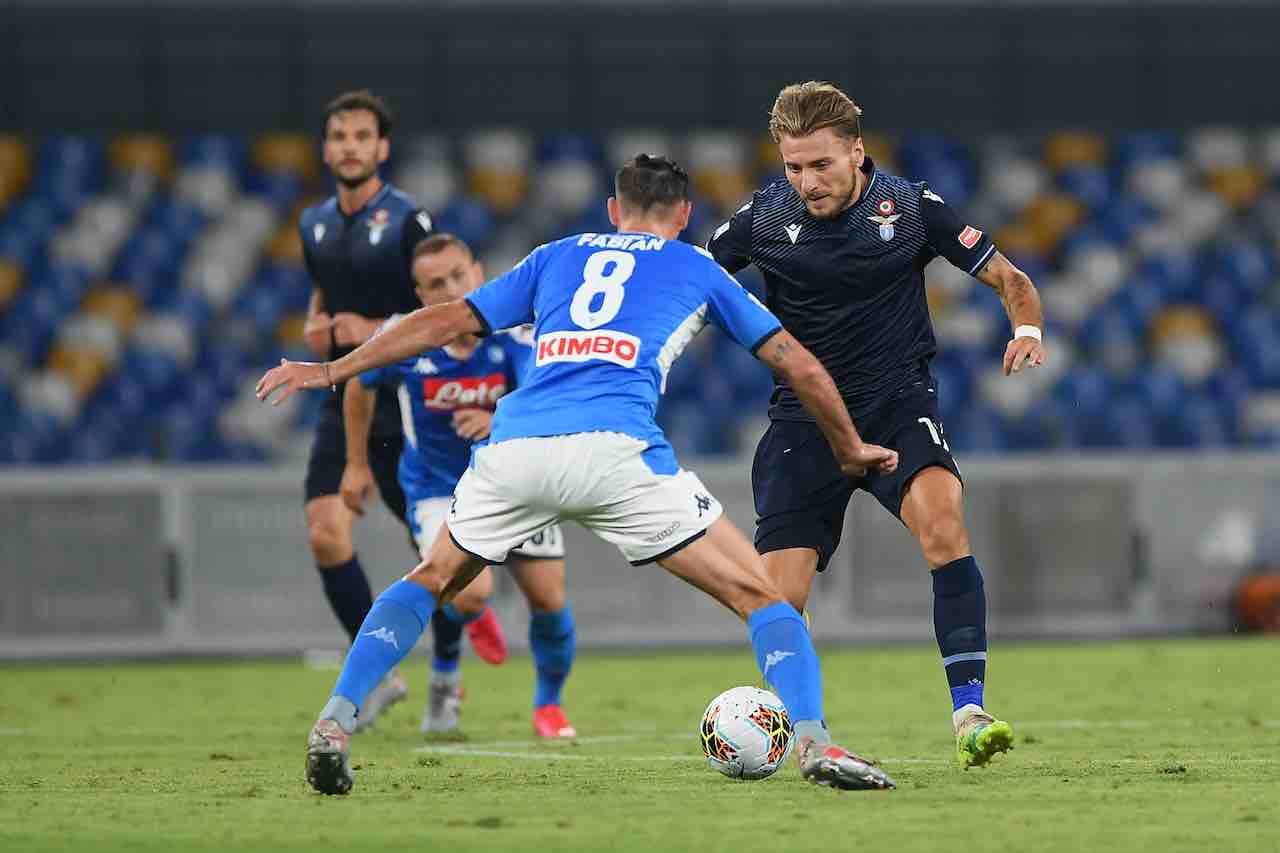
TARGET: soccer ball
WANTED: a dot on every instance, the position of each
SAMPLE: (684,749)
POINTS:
(746,733)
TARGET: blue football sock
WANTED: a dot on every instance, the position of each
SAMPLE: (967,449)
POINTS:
(347,588)
(446,636)
(787,659)
(553,640)
(389,632)
(960,624)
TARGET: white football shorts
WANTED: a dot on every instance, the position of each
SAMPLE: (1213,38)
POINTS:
(427,515)
(515,488)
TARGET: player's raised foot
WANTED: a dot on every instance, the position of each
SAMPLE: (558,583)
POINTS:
(835,767)
(329,758)
(444,703)
(389,691)
(487,638)
(550,721)
(979,736)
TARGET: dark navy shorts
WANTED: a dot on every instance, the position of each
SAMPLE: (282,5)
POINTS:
(329,458)
(800,493)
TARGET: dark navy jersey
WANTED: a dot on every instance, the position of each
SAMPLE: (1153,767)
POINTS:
(851,288)
(361,264)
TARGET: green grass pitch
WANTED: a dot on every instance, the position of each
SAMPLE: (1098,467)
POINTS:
(1145,746)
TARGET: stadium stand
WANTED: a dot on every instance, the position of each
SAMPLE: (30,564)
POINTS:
(145,282)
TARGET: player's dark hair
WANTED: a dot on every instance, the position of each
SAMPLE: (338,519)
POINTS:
(805,108)
(651,180)
(361,99)
(437,243)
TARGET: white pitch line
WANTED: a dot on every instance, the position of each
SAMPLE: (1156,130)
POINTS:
(464,752)
(11,732)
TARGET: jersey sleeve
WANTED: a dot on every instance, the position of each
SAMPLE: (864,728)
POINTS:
(733,309)
(965,246)
(416,228)
(518,345)
(730,244)
(507,300)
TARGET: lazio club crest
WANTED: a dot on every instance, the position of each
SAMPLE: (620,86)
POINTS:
(377,224)
(886,218)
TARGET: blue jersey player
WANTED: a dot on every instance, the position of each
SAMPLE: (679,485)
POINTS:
(842,247)
(447,397)
(578,441)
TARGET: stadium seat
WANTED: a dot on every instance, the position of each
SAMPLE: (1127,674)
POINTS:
(16,168)
(497,163)
(11,282)
(288,154)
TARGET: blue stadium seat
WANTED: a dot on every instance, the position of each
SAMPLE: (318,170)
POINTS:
(1091,184)
(1121,220)
(1198,421)
(1123,423)
(1141,147)
(470,219)
(215,150)
(978,428)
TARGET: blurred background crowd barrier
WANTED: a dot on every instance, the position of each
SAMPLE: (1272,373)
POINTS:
(209,561)
(154,158)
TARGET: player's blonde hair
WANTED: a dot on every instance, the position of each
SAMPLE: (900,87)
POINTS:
(805,108)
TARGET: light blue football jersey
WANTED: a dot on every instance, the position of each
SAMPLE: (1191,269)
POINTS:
(610,314)
(434,385)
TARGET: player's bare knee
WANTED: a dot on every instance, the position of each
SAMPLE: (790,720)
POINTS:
(427,574)
(943,539)
(330,543)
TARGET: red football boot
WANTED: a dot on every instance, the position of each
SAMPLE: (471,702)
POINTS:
(487,637)
(550,721)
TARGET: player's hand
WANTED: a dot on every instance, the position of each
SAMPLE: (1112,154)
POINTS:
(1024,351)
(351,330)
(882,459)
(472,424)
(291,376)
(357,480)
(315,332)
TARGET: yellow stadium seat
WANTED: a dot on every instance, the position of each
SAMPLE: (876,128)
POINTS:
(142,152)
(728,189)
(1051,216)
(285,247)
(882,150)
(10,282)
(287,152)
(1018,238)
(504,190)
(1239,186)
(1182,321)
(117,305)
(1074,148)
(15,167)
(84,368)
(289,330)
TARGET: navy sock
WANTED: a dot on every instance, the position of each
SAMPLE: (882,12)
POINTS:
(787,659)
(446,635)
(960,624)
(394,624)
(347,589)
(553,641)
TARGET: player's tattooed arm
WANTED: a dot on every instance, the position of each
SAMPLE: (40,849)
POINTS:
(817,391)
(357,419)
(425,329)
(1022,304)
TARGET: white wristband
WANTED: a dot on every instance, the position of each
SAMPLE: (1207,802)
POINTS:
(1027,332)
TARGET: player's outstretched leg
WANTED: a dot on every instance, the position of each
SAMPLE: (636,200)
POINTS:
(724,564)
(396,621)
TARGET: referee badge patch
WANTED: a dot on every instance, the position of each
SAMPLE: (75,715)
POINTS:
(969,237)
